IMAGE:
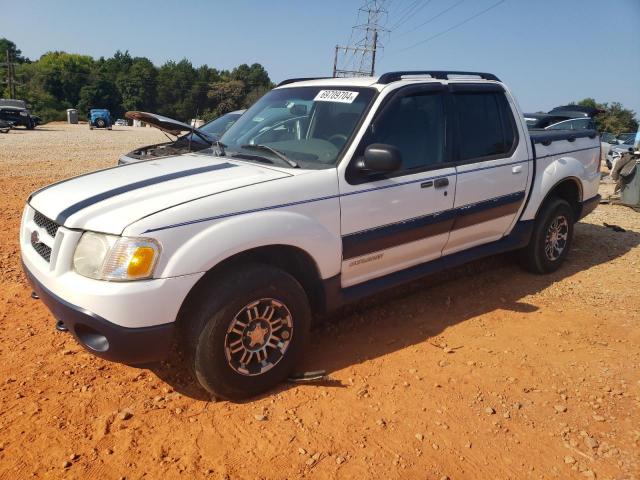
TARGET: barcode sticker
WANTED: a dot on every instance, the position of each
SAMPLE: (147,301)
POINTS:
(340,96)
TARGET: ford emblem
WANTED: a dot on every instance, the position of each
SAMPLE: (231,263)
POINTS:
(35,237)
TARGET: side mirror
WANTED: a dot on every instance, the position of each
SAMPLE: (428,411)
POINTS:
(380,158)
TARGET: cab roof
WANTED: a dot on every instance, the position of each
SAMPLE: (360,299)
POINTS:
(380,81)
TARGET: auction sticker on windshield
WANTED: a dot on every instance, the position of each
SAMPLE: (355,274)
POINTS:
(341,96)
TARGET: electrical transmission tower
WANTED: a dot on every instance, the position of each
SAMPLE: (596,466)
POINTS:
(11,72)
(358,59)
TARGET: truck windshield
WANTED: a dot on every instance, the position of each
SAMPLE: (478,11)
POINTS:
(309,125)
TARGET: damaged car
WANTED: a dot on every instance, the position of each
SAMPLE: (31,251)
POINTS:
(194,140)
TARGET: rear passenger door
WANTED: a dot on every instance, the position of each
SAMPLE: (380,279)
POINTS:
(492,165)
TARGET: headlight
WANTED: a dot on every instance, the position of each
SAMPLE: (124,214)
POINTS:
(108,257)
(23,114)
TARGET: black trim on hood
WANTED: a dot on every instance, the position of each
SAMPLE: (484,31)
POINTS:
(76,207)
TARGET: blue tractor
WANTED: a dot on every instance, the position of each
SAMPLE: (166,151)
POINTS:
(99,118)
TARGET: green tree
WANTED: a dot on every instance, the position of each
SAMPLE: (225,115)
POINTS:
(63,75)
(615,118)
(226,97)
(138,86)
(15,54)
(101,93)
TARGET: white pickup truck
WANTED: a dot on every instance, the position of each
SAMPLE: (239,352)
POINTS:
(323,192)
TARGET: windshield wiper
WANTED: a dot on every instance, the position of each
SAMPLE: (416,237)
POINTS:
(278,154)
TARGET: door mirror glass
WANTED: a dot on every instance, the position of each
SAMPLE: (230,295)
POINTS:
(380,158)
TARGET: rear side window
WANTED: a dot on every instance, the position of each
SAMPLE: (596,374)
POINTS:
(485,125)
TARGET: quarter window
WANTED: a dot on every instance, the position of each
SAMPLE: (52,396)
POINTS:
(485,125)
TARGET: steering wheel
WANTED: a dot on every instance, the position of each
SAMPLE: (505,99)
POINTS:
(338,139)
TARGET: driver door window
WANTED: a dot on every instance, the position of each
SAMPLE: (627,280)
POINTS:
(414,124)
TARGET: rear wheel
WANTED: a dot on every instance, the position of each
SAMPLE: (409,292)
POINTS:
(248,331)
(551,238)
(100,123)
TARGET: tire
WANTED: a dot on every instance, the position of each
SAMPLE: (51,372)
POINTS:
(551,238)
(30,125)
(100,123)
(223,329)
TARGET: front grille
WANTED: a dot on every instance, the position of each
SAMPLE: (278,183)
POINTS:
(49,225)
(43,250)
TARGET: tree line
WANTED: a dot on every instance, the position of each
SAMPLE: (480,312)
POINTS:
(61,80)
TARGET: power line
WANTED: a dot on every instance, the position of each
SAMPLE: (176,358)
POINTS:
(411,14)
(435,17)
(491,7)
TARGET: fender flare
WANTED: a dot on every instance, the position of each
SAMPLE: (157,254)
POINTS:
(235,235)
(558,171)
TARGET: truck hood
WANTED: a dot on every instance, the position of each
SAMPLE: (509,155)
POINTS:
(109,200)
(166,124)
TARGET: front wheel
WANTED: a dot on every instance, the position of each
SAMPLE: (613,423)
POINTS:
(551,238)
(248,331)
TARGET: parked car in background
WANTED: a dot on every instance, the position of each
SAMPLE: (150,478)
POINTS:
(362,184)
(625,137)
(607,140)
(566,117)
(121,122)
(17,113)
(539,121)
(194,140)
(99,118)
(573,124)
(616,151)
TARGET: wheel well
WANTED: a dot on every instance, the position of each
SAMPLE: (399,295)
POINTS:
(295,261)
(569,190)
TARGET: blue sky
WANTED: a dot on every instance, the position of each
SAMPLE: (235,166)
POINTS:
(550,52)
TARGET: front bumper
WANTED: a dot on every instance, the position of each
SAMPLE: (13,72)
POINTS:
(103,338)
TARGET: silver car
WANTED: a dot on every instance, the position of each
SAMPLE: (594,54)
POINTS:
(194,140)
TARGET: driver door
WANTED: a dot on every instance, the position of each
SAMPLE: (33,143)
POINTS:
(398,220)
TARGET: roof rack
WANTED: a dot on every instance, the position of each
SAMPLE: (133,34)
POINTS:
(302,79)
(438,74)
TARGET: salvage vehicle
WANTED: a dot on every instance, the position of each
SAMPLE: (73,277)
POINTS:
(371,182)
(99,118)
(616,151)
(195,140)
(17,113)
(566,117)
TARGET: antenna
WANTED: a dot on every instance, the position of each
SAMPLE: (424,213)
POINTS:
(193,127)
(359,59)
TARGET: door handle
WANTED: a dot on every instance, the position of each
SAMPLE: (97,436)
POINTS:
(441,182)
(517,169)
(426,184)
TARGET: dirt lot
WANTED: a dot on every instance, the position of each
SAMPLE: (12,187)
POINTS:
(486,372)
